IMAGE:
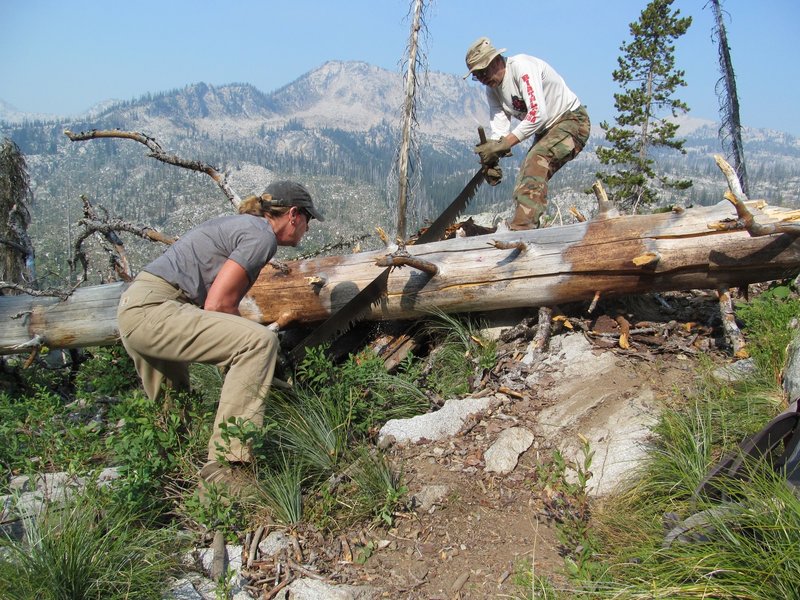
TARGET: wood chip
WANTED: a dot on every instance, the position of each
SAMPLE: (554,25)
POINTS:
(219,563)
(459,583)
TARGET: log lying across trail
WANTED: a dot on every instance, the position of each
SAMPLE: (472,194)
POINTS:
(613,256)
(697,248)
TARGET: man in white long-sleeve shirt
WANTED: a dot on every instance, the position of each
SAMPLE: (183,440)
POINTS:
(530,91)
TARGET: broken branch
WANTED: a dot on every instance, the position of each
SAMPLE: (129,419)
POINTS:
(605,209)
(401,260)
(158,153)
(732,332)
(577,214)
(736,196)
(542,336)
(500,245)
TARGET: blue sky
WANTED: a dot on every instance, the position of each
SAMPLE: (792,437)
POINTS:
(63,56)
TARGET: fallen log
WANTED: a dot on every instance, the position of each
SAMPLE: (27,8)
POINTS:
(684,250)
(697,248)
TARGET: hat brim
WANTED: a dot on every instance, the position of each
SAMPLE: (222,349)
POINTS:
(298,203)
(484,64)
(306,205)
(314,213)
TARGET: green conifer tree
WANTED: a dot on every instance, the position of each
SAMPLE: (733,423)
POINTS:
(648,76)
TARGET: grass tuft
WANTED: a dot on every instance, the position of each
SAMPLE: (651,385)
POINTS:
(379,484)
(281,491)
(461,356)
(87,549)
(662,540)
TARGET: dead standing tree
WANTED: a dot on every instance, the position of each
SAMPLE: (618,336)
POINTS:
(731,127)
(16,250)
(409,119)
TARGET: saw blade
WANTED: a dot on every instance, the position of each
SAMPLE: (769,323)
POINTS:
(344,318)
(438,228)
(352,312)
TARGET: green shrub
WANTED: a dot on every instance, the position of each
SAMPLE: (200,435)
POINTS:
(41,432)
(107,371)
(216,509)
(158,441)
(17,380)
(363,388)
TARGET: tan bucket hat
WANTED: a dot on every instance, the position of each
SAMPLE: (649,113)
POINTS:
(480,54)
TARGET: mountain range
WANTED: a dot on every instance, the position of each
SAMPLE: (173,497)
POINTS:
(336,129)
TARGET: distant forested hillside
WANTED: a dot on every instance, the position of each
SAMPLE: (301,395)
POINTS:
(341,141)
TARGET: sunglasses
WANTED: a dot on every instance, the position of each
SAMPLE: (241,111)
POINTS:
(305,212)
(480,74)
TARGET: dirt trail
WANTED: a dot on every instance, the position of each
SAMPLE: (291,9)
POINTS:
(472,528)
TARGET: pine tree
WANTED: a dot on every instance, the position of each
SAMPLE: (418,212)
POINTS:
(648,76)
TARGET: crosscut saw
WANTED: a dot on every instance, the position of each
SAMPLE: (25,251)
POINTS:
(359,305)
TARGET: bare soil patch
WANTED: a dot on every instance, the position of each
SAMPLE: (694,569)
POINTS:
(471,529)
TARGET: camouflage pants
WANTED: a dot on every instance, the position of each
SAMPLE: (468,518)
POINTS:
(551,150)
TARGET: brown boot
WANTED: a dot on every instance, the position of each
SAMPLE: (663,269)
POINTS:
(235,478)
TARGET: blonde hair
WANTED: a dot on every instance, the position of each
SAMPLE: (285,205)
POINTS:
(260,206)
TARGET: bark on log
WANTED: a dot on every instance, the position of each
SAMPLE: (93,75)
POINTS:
(87,318)
(684,250)
(559,264)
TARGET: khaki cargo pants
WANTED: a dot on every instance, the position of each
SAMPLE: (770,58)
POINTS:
(163,332)
(550,151)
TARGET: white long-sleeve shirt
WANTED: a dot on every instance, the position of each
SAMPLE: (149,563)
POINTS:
(531,92)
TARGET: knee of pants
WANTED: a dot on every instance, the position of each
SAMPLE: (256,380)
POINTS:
(531,192)
(256,345)
(265,341)
(536,165)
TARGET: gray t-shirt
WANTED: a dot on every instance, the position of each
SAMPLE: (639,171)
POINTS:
(193,262)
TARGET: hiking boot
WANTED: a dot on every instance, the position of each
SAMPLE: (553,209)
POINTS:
(235,478)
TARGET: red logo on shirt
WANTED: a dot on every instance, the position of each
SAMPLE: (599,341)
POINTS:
(518,104)
(534,111)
